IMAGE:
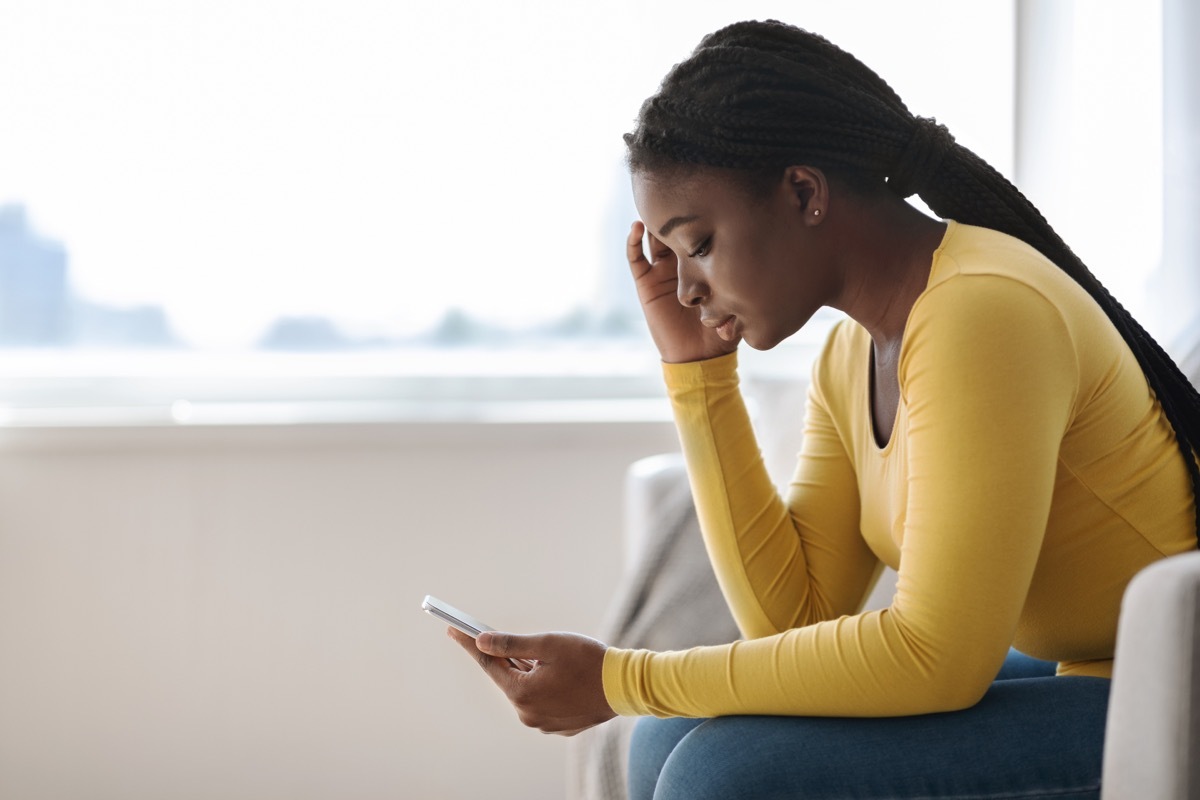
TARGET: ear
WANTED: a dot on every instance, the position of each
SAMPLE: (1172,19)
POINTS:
(808,192)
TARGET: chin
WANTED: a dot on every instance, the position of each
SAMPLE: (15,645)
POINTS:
(766,341)
(758,343)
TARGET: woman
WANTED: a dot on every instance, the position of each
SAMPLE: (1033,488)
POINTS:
(990,422)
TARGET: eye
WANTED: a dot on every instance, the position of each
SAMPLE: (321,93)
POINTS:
(701,249)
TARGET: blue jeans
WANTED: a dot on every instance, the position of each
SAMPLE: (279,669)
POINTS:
(1032,735)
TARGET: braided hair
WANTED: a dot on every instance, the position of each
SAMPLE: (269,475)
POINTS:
(756,97)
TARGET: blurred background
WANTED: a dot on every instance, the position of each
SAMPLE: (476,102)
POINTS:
(309,308)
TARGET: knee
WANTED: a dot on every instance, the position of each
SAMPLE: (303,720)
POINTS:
(652,743)
(711,763)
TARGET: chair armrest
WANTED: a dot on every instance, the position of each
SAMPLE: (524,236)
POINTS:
(1153,731)
(648,481)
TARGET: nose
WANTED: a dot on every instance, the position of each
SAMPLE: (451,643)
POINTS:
(691,291)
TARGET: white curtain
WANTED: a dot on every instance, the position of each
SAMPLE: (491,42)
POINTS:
(1178,288)
(1108,147)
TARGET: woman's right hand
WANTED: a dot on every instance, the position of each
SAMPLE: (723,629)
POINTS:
(675,328)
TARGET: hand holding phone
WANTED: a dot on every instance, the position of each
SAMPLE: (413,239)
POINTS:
(563,692)
(465,623)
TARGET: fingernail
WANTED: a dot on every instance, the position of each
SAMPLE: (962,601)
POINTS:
(483,640)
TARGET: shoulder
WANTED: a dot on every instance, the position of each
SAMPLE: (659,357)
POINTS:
(985,283)
(997,317)
(973,262)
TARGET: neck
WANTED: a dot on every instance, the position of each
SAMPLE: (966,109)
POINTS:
(886,250)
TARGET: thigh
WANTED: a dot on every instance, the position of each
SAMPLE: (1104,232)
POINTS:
(1027,738)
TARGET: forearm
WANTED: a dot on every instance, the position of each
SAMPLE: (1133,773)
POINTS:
(758,544)
(866,665)
(737,506)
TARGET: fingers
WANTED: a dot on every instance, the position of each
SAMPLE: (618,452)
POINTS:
(496,668)
(658,250)
(464,641)
(512,645)
(634,251)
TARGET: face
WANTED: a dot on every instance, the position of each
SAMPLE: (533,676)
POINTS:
(752,265)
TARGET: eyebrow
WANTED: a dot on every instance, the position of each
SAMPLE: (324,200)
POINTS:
(675,222)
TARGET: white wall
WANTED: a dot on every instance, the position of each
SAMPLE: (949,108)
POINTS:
(233,612)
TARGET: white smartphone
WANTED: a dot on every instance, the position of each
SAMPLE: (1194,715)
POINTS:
(453,617)
(467,624)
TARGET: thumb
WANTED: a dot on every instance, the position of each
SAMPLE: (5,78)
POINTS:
(510,645)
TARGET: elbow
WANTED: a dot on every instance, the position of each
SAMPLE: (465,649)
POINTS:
(945,670)
(940,698)
(953,686)
(957,696)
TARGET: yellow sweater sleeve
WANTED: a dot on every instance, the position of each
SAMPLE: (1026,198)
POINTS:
(780,566)
(988,378)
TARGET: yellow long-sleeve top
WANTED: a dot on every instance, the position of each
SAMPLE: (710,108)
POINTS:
(1030,474)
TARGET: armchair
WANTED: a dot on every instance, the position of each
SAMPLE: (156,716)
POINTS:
(669,599)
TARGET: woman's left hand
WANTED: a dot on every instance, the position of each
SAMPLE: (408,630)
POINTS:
(563,692)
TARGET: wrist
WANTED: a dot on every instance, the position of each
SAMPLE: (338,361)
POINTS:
(696,359)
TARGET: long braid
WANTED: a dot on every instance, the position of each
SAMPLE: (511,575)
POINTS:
(760,96)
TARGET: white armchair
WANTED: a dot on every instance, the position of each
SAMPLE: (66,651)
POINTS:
(1152,743)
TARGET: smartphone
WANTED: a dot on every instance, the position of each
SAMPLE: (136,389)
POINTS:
(453,617)
(467,624)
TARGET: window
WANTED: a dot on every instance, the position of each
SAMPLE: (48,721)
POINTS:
(1090,150)
(217,195)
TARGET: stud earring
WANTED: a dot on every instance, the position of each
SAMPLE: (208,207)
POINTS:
(816,212)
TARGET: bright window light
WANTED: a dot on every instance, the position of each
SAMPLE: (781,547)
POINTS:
(368,176)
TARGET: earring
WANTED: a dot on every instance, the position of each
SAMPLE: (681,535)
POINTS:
(816,212)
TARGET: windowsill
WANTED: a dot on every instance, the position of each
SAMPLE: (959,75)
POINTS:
(325,413)
(556,425)
(591,384)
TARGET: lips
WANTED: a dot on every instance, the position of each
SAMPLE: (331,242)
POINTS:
(725,327)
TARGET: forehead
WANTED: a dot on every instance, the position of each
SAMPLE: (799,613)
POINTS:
(660,197)
(680,186)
